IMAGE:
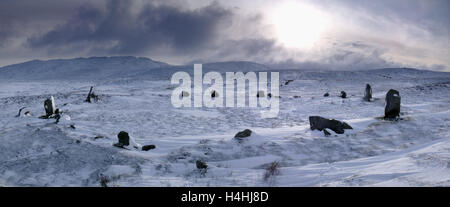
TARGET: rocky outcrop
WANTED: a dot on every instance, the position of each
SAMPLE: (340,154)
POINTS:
(320,123)
(243,134)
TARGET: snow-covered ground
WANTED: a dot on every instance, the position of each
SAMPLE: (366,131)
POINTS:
(414,151)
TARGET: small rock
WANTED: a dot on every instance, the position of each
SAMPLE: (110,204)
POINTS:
(72,126)
(343,94)
(327,133)
(148,147)
(201,165)
(243,134)
(99,137)
(326,94)
(91,95)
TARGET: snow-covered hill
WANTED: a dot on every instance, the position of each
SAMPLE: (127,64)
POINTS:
(135,97)
(79,68)
(112,68)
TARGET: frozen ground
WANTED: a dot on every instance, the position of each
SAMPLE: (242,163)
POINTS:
(414,151)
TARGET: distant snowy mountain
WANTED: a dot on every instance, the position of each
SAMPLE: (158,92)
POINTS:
(112,68)
(79,68)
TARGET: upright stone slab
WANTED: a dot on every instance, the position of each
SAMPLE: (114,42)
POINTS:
(368,93)
(49,105)
(392,109)
(124,139)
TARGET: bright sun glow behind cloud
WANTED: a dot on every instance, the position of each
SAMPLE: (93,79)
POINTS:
(298,25)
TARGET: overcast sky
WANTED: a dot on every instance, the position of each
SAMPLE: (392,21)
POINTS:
(344,34)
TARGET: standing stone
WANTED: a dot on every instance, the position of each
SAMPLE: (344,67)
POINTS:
(124,139)
(49,105)
(392,109)
(368,93)
(88,99)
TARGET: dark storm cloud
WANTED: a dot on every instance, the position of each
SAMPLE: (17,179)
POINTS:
(18,16)
(120,31)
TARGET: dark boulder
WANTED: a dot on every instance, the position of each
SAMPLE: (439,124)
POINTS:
(124,139)
(326,94)
(148,147)
(201,164)
(368,93)
(320,123)
(243,134)
(392,109)
(343,94)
